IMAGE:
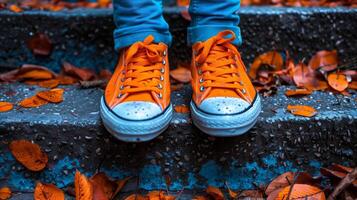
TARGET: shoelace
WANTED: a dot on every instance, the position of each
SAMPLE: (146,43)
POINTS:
(216,60)
(144,67)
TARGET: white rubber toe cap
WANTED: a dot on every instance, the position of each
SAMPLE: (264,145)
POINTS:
(223,105)
(137,110)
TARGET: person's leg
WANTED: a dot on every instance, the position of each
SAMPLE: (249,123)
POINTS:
(135,20)
(209,17)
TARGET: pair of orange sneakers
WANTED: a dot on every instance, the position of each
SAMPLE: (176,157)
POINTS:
(136,104)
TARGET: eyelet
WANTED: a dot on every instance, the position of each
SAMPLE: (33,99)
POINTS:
(122,87)
(162,70)
(160,96)
(201,80)
(199,72)
(159,86)
(202,88)
(164,53)
(161,78)
(244,91)
(120,95)
(241,83)
(164,62)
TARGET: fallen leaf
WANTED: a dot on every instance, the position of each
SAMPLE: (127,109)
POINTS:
(35,74)
(181,74)
(104,3)
(5,193)
(215,193)
(33,102)
(252,194)
(301,110)
(296,92)
(135,197)
(272,59)
(336,174)
(9,76)
(341,168)
(81,73)
(324,60)
(110,188)
(301,191)
(40,44)
(29,154)
(337,81)
(15,8)
(52,83)
(48,192)
(82,186)
(66,80)
(53,96)
(200,197)
(303,75)
(353,85)
(182,109)
(120,185)
(5,106)
(98,191)
(105,74)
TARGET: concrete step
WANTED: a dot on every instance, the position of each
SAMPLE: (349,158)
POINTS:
(73,136)
(84,36)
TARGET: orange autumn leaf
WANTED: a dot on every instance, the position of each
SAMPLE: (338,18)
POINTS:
(181,74)
(337,81)
(298,91)
(182,109)
(353,85)
(302,110)
(66,80)
(326,60)
(303,75)
(110,188)
(29,154)
(53,96)
(104,3)
(15,8)
(33,102)
(301,192)
(5,106)
(82,186)
(36,74)
(200,197)
(40,44)
(215,193)
(5,193)
(52,83)
(98,191)
(135,197)
(272,58)
(48,192)
(82,73)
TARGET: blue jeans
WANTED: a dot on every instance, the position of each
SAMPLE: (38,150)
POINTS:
(136,19)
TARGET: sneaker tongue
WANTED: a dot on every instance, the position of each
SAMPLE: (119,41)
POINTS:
(140,96)
(218,92)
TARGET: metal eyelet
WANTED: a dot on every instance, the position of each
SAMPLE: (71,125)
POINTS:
(199,72)
(164,62)
(122,87)
(161,78)
(162,70)
(159,86)
(241,83)
(201,80)
(160,96)
(202,88)
(120,95)
(164,53)
(244,91)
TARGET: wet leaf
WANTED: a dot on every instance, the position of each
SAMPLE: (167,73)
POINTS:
(53,96)
(297,92)
(33,102)
(52,83)
(5,106)
(182,109)
(181,74)
(29,154)
(337,81)
(40,44)
(82,186)
(215,193)
(81,73)
(273,59)
(302,110)
(301,191)
(48,192)
(5,193)
(324,60)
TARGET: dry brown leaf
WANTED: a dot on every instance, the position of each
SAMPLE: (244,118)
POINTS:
(281,181)
(302,110)
(110,188)
(341,168)
(53,96)
(353,85)
(5,106)
(337,81)
(181,74)
(215,193)
(83,188)
(324,60)
(5,193)
(52,83)
(273,59)
(301,192)
(81,73)
(33,102)
(253,194)
(47,192)
(336,174)
(303,75)
(40,44)
(98,191)
(182,109)
(29,154)
(297,92)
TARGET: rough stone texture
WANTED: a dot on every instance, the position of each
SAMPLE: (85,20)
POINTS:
(74,138)
(84,36)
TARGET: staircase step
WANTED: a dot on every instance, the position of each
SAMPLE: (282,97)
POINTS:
(84,36)
(73,136)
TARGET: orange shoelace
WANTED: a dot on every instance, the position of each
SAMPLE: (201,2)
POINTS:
(216,59)
(144,67)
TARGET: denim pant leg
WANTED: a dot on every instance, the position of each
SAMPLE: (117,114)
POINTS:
(210,17)
(135,20)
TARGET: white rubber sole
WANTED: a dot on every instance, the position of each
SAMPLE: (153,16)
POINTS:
(132,130)
(226,125)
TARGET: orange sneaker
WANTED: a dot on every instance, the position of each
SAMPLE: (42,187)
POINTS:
(224,102)
(136,104)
